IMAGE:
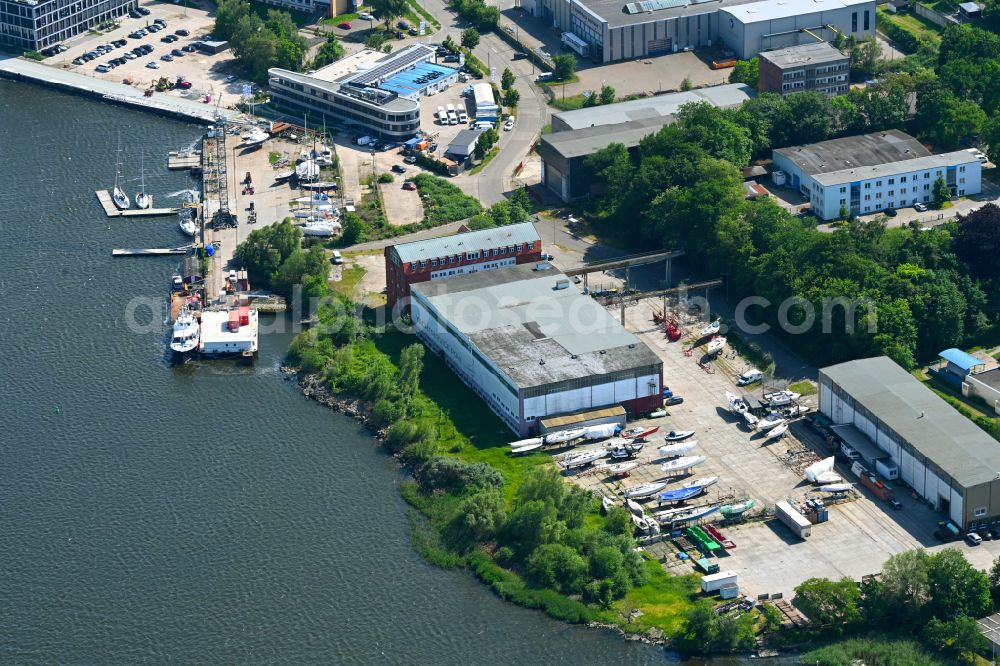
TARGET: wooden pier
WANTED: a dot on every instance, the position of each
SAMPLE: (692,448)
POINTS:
(112,211)
(152,252)
(184,160)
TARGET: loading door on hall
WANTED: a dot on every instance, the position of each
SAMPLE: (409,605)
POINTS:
(658,46)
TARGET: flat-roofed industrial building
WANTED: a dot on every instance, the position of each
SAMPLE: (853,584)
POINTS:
(941,455)
(531,345)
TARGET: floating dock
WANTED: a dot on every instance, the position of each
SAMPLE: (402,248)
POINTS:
(184,160)
(152,252)
(112,211)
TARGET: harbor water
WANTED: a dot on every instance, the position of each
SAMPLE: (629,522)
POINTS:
(207,513)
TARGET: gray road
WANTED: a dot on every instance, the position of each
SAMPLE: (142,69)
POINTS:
(491,183)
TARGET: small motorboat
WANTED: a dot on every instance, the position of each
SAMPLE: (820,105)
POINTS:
(704,482)
(319,185)
(780,398)
(682,464)
(563,436)
(188,226)
(525,442)
(827,478)
(626,450)
(795,411)
(694,513)
(608,504)
(621,468)
(641,522)
(527,448)
(674,450)
(711,329)
(836,487)
(681,494)
(186,333)
(657,413)
(778,431)
(678,435)
(602,431)
(715,345)
(321,228)
(584,458)
(732,510)
(750,420)
(645,490)
(633,506)
(772,420)
(282,176)
(639,432)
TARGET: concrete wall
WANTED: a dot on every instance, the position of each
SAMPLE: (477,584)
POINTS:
(974,387)
(592,397)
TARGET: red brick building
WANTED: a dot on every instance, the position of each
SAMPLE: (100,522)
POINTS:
(469,252)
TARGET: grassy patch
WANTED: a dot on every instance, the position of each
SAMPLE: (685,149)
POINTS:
(350,278)
(443,202)
(339,18)
(486,160)
(426,15)
(804,387)
(663,601)
(917,25)
(971,410)
(571,103)
(273,157)
(871,651)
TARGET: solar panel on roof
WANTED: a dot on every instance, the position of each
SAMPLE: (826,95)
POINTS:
(393,64)
(654,5)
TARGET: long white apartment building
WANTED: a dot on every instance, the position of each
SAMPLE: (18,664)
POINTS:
(871,173)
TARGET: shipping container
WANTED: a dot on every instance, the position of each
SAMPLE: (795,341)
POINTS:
(713,582)
(882,491)
(729,591)
(234,321)
(887,469)
(794,520)
(244,316)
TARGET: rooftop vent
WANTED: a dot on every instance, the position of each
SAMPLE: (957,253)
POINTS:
(604,351)
(541,361)
(574,356)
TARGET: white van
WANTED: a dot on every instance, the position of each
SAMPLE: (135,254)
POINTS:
(482,125)
(452,117)
(337,257)
(364,140)
(451,109)
(749,377)
(442,117)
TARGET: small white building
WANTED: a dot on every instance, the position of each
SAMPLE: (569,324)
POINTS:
(221,335)
(870,173)
(531,345)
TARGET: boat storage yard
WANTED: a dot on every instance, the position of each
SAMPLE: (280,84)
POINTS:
(859,531)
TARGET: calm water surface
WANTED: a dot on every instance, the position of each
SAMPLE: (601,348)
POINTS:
(203,514)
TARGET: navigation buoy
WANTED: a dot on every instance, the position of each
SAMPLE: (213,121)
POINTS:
(58,409)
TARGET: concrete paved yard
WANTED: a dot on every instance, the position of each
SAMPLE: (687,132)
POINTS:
(861,533)
(649,75)
(401,206)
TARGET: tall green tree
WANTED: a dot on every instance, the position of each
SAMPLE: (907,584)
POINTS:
(470,38)
(940,192)
(607,95)
(829,602)
(746,71)
(507,79)
(565,66)
(387,10)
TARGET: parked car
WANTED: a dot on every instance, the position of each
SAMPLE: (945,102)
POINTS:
(409,185)
(103,68)
(365,16)
(895,504)
(143,11)
(183,85)
(749,377)
(674,400)
(410,159)
(181,33)
(152,65)
(547,257)
(168,38)
(667,393)
(919,207)
(519,55)
(509,125)
(188,48)
(166,57)
(891,212)
(413,31)
(403,25)
(154,28)
(177,53)
(973,539)
(344,25)
(120,42)
(78,61)
(160,22)
(134,14)
(399,168)
(544,76)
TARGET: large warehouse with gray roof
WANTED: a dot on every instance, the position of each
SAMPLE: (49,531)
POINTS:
(624,29)
(941,454)
(531,345)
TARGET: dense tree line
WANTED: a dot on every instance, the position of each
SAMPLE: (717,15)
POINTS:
(681,188)
(260,43)
(274,258)
(935,598)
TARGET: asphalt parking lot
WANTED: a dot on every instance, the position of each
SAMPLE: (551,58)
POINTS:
(208,74)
